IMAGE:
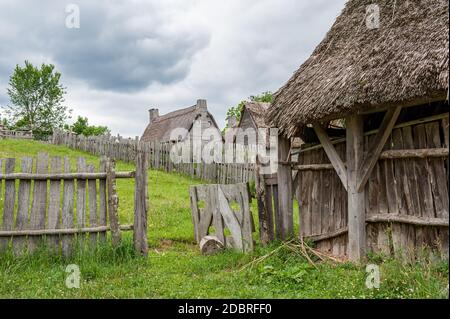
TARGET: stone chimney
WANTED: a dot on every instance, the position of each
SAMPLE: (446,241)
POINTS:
(201,105)
(153,114)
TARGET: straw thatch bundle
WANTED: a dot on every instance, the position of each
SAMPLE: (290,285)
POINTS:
(404,61)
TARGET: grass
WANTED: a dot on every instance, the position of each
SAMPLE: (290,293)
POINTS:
(175,269)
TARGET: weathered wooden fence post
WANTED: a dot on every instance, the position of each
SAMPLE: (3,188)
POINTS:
(141,204)
(10,194)
(285,198)
(113,202)
(264,214)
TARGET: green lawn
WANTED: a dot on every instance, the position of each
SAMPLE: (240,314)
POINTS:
(175,269)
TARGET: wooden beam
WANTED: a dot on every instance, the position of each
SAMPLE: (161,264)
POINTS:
(388,154)
(408,219)
(63,176)
(356,199)
(65,231)
(385,218)
(414,153)
(373,154)
(372,132)
(334,157)
(332,234)
(313,167)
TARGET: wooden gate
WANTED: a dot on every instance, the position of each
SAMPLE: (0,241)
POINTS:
(223,207)
(63,207)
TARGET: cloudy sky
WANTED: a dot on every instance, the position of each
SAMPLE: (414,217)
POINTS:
(128,56)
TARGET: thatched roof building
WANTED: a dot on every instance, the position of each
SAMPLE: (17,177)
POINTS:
(253,114)
(160,127)
(358,67)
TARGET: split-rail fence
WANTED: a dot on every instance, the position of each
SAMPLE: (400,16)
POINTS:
(66,208)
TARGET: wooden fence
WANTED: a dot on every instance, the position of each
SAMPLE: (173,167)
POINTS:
(66,208)
(15,134)
(407,205)
(158,157)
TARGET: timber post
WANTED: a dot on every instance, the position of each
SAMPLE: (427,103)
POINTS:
(141,204)
(113,202)
(356,198)
(285,198)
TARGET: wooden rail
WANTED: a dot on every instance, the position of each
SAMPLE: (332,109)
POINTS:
(390,154)
(384,218)
(372,132)
(70,231)
(64,176)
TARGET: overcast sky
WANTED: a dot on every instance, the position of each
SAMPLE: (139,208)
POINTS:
(128,56)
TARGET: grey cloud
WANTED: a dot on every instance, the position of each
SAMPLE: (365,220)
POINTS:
(109,51)
(129,56)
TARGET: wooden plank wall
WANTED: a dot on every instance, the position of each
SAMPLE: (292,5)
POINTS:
(415,189)
(158,154)
(40,205)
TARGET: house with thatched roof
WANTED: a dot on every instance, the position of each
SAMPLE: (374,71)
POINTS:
(160,128)
(383,71)
(253,118)
(253,115)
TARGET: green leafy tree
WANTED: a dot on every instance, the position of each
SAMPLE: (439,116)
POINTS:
(235,111)
(266,97)
(82,127)
(37,98)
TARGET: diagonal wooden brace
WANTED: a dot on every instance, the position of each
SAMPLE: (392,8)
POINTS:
(330,150)
(376,148)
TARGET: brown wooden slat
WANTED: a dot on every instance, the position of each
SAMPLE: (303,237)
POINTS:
(425,192)
(54,207)
(39,204)
(23,206)
(399,231)
(93,214)
(67,211)
(8,203)
(102,200)
(439,187)
(81,199)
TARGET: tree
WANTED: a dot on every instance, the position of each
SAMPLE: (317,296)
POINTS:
(82,127)
(235,111)
(36,96)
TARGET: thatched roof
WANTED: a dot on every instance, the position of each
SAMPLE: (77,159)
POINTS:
(160,128)
(355,67)
(257,111)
